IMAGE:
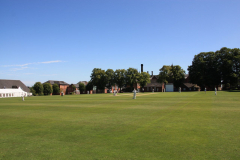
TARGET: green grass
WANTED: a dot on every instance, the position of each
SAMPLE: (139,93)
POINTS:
(190,125)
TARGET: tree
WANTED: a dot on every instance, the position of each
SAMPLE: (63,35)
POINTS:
(47,88)
(110,78)
(132,76)
(178,75)
(38,87)
(56,89)
(173,74)
(33,91)
(144,78)
(89,86)
(204,70)
(165,74)
(73,87)
(119,78)
(99,78)
(81,87)
(229,63)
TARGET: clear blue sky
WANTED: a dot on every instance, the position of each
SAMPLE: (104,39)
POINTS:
(64,40)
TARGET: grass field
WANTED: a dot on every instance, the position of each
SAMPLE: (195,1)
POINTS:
(190,125)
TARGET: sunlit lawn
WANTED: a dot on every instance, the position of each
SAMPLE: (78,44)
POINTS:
(190,125)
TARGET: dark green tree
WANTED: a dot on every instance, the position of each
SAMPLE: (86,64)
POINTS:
(229,63)
(120,78)
(81,87)
(38,87)
(204,70)
(143,79)
(132,76)
(165,74)
(110,78)
(47,88)
(89,86)
(56,89)
(33,91)
(99,78)
(173,74)
(178,75)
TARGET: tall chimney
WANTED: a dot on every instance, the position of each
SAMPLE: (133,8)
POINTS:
(141,68)
(152,73)
(147,72)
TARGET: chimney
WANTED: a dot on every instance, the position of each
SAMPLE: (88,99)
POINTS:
(147,72)
(152,73)
(141,68)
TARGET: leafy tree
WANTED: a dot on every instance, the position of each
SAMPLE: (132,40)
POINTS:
(143,79)
(73,87)
(173,74)
(33,91)
(178,75)
(56,89)
(38,87)
(99,78)
(132,76)
(206,69)
(81,87)
(165,74)
(119,78)
(229,63)
(110,78)
(47,88)
(89,86)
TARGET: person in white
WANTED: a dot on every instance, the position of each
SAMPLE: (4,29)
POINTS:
(134,94)
(215,91)
(205,90)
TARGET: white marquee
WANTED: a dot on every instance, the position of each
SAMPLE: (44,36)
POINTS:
(12,92)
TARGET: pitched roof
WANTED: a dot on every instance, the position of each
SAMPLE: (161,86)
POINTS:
(56,82)
(13,83)
(189,85)
(154,85)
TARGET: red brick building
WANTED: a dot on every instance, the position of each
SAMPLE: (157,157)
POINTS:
(62,85)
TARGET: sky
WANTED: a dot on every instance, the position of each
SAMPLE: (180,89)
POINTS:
(65,40)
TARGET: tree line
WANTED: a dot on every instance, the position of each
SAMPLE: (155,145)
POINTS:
(120,77)
(214,68)
(40,89)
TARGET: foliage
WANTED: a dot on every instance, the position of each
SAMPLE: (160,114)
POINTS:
(82,86)
(56,89)
(99,78)
(47,88)
(173,74)
(89,86)
(73,87)
(38,87)
(165,74)
(178,75)
(212,68)
(131,76)
(110,78)
(33,91)
(120,77)
(143,79)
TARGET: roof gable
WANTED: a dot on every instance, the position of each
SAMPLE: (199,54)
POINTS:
(13,84)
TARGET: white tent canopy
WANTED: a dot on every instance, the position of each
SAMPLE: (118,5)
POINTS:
(12,92)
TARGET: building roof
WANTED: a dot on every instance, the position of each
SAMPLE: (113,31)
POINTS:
(6,83)
(189,85)
(56,82)
(154,85)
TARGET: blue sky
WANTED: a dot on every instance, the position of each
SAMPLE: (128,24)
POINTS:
(64,40)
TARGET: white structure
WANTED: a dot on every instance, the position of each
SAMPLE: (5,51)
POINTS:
(13,92)
(169,87)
